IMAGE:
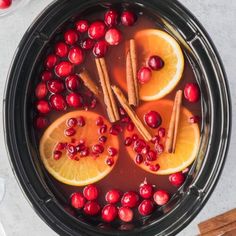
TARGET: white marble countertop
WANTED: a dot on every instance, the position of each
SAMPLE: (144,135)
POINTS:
(217,16)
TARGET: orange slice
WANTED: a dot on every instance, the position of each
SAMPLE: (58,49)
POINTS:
(188,139)
(86,170)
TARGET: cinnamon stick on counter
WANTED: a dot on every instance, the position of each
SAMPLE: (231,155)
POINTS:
(109,99)
(174,123)
(131,113)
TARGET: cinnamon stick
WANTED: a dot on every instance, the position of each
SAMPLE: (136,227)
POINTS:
(174,123)
(109,99)
(131,113)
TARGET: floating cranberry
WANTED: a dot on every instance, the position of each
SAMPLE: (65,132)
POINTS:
(130,127)
(72,122)
(113,36)
(97,30)
(46,76)
(154,168)
(111,18)
(43,107)
(97,148)
(61,49)
(72,82)
(90,192)
(57,155)
(146,190)
(159,148)
(192,92)
(4,4)
(194,119)
(102,129)
(161,197)
(87,44)
(99,121)
(146,207)
(55,86)
(76,56)
(100,48)
(177,179)
(51,61)
(144,75)
(125,214)
(110,161)
(70,132)
(41,122)
(77,200)
(82,26)
(128,141)
(91,208)
(153,119)
(102,139)
(71,37)
(74,100)
(161,132)
(57,102)
(128,18)
(41,90)
(155,63)
(63,69)
(130,199)
(109,213)
(112,151)
(113,196)
(81,121)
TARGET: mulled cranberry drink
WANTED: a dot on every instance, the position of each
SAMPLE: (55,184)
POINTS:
(117,115)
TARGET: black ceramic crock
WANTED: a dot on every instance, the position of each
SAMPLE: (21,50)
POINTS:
(215,132)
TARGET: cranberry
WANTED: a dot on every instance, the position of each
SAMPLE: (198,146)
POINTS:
(113,36)
(96,30)
(99,121)
(72,122)
(77,200)
(128,141)
(57,155)
(74,100)
(82,26)
(63,69)
(112,151)
(159,148)
(97,148)
(130,199)
(72,82)
(161,132)
(115,130)
(102,139)
(144,75)
(125,214)
(91,208)
(100,48)
(90,192)
(76,56)
(128,18)
(146,190)
(41,122)
(55,86)
(146,207)
(161,197)
(51,61)
(153,119)
(61,49)
(41,90)
(112,196)
(5,4)
(151,156)
(155,63)
(194,119)
(109,213)
(43,106)
(46,76)
(103,129)
(192,92)
(81,121)
(177,179)
(110,161)
(71,37)
(57,102)
(70,132)
(87,44)
(154,168)
(130,127)
(111,18)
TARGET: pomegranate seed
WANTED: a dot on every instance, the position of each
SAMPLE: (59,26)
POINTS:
(55,86)
(115,130)
(71,37)
(91,208)
(159,148)
(161,132)
(128,141)
(76,56)
(146,190)
(97,148)
(194,119)
(46,76)
(100,48)
(90,192)
(43,107)
(57,155)
(122,112)
(72,82)
(72,122)
(112,151)
(57,102)
(130,199)
(146,163)
(130,127)
(93,103)
(154,168)
(153,119)
(161,197)
(151,156)
(111,18)
(41,90)
(113,36)
(77,200)
(74,100)
(144,75)
(110,161)
(97,30)
(4,4)
(128,18)
(139,145)
(177,179)
(135,137)
(63,69)
(81,121)
(103,129)
(125,214)
(84,153)
(82,26)
(102,139)
(87,44)
(146,150)
(155,63)
(61,146)
(70,132)
(99,121)
(51,61)
(125,119)
(109,213)
(61,49)
(146,207)
(80,147)
(155,139)
(41,122)
(192,92)
(113,196)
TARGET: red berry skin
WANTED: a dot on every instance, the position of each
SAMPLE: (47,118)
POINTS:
(100,48)
(155,63)
(112,196)
(161,197)
(76,56)
(43,107)
(153,119)
(146,190)
(97,30)
(109,213)
(71,37)
(61,49)
(46,76)
(4,4)
(74,100)
(72,82)
(87,44)
(41,90)
(41,122)
(192,92)
(130,199)
(113,36)
(125,214)
(51,61)
(63,69)
(77,200)
(146,207)
(91,208)
(82,26)
(111,18)
(90,192)
(177,179)
(58,102)
(128,18)
(55,86)
(144,75)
